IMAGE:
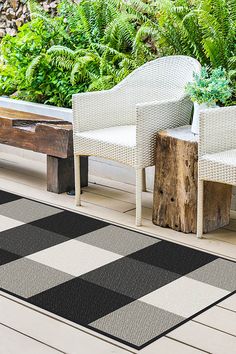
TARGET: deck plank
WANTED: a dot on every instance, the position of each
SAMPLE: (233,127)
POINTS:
(229,303)
(205,338)
(51,331)
(169,346)
(219,318)
(13,342)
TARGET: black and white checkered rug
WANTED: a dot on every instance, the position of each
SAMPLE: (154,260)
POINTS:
(128,286)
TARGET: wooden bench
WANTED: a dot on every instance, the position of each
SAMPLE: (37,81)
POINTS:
(46,135)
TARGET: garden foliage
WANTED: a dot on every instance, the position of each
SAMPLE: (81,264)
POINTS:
(209,88)
(95,44)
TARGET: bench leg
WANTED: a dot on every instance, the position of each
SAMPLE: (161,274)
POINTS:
(60,174)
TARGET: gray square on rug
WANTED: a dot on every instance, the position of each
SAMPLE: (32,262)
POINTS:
(27,239)
(27,210)
(137,322)
(117,240)
(130,277)
(220,273)
(26,278)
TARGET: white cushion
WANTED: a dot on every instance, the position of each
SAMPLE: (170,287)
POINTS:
(124,135)
(227,157)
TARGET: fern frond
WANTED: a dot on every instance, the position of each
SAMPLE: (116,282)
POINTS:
(75,70)
(232,9)
(144,34)
(30,72)
(102,83)
(145,12)
(112,51)
(120,33)
(62,51)
(63,63)
(78,72)
(232,62)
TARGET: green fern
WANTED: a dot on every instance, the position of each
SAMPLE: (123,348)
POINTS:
(203,28)
(101,83)
(61,51)
(79,71)
(30,72)
(94,44)
(120,33)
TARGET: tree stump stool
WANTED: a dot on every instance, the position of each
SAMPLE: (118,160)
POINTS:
(175,189)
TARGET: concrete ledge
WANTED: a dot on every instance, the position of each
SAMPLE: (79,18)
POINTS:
(37,108)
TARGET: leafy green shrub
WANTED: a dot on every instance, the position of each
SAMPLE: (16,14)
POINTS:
(209,87)
(32,40)
(93,45)
(204,29)
(7,80)
(90,46)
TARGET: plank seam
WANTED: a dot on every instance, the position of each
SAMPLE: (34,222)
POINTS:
(187,344)
(216,329)
(28,336)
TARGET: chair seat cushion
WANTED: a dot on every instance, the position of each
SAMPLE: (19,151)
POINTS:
(124,135)
(219,166)
(227,157)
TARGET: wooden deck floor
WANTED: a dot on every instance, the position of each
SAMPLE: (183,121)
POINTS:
(27,330)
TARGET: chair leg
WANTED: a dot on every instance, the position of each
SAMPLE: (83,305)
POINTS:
(139,185)
(77,181)
(200,201)
(144,186)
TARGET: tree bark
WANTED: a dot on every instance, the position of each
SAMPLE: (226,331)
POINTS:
(175,190)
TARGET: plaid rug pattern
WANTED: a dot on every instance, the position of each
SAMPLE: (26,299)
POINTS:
(128,286)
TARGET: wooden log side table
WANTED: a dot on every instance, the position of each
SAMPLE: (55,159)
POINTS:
(46,135)
(175,189)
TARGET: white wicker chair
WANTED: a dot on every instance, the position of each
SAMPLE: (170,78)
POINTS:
(217,152)
(121,123)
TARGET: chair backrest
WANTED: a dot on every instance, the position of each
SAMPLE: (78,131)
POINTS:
(217,130)
(160,79)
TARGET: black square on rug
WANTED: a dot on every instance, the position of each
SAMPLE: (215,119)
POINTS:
(128,286)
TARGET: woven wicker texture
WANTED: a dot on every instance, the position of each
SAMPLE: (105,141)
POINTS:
(151,98)
(217,145)
(217,151)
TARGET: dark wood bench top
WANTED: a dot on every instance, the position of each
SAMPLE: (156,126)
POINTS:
(44,134)
(12,114)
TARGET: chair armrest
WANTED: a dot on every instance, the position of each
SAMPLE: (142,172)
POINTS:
(102,109)
(217,130)
(156,116)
